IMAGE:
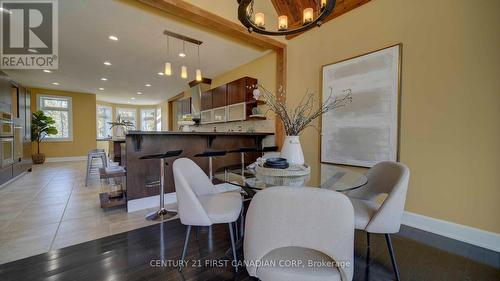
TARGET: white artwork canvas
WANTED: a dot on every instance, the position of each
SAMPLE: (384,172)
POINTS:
(365,131)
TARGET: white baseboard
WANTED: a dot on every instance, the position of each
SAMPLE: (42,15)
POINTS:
(12,179)
(467,234)
(151,202)
(65,159)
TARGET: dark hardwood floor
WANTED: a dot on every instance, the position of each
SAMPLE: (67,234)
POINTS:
(130,256)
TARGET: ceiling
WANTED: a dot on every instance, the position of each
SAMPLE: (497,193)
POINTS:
(137,57)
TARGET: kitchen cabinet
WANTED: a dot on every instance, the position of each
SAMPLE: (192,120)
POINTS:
(186,106)
(206,101)
(219,114)
(207,116)
(18,115)
(240,90)
(183,108)
(229,102)
(219,96)
(15,147)
(236,112)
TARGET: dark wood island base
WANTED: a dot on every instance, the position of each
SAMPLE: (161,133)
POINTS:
(141,172)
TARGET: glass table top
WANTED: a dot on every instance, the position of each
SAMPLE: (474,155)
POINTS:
(332,177)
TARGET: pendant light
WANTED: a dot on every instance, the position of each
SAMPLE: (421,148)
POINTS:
(168,65)
(184,73)
(198,71)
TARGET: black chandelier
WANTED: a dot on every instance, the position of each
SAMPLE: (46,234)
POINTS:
(255,22)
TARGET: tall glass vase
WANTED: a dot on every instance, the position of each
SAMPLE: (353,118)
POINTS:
(292,151)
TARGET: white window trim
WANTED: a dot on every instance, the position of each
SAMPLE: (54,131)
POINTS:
(154,117)
(70,116)
(111,110)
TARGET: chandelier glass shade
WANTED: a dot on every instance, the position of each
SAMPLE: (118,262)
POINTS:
(256,22)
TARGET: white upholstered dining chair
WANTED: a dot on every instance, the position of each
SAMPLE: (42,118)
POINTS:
(200,205)
(391,179)
(306,225)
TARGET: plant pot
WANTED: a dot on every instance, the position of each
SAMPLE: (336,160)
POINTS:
(292,150)
(38,158)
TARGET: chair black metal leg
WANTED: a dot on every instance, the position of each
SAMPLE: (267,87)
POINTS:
(210,239)
(184,251)
(367,261)
(233,247)
(393,258)
(242,222)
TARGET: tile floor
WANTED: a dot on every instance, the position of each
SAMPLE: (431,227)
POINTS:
(50,208)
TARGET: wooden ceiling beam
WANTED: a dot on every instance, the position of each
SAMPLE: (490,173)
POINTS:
(212,21)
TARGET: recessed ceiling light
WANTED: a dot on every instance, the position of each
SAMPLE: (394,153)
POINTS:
(113,38)
(182,55)
(104,79)
(139,93)
(160,73)
(148,85)
(32,51)
(55,83)
(128,102)
(107,63)
(101,89)
(132,98)
(47,71)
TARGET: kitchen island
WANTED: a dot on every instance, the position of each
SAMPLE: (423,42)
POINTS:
(140,143)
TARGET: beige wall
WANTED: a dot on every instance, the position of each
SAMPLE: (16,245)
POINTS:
(84,125)
(450,111)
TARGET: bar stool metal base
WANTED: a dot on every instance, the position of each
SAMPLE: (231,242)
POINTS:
(160,214)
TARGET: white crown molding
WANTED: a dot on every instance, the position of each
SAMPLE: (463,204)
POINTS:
(467,234)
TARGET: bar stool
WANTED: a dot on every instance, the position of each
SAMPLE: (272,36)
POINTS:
(95,154)
(242,151)
(161,211)
(210,155)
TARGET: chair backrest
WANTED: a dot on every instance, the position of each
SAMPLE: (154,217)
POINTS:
(318,219)
(389,178)
(191,182)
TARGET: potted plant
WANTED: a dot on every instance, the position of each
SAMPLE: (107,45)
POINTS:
(41,127)
(297,119)
(120,123)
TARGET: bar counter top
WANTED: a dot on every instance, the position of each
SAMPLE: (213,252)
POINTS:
(198,133)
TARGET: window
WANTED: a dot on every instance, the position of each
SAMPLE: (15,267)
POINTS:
(59,108)
(148,119)
(104,117)
(158,119)
(125,114)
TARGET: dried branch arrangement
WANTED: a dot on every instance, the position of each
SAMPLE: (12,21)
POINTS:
(298,119)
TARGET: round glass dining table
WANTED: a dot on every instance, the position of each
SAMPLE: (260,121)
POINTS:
(332,177)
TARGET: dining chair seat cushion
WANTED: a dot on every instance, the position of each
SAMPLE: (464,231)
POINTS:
(281,271)
(364,210)
(222,207)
